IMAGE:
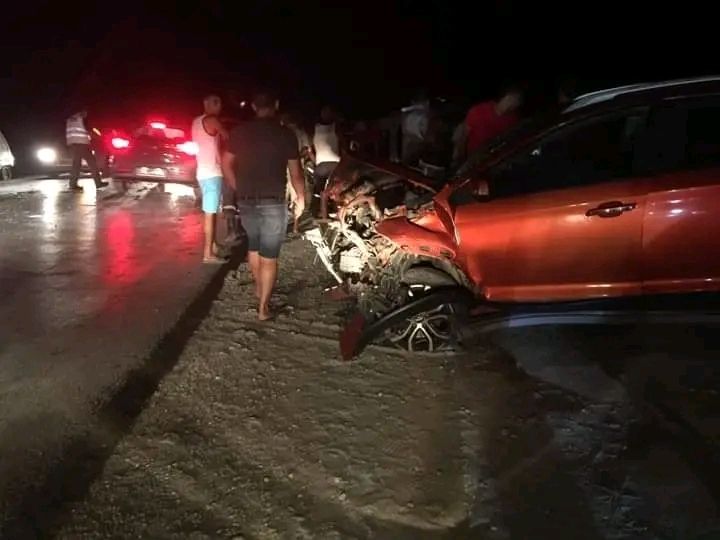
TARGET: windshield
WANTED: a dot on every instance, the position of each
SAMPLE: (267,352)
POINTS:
(520,132)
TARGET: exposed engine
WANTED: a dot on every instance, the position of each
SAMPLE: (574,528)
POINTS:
(379,274)
(347,244)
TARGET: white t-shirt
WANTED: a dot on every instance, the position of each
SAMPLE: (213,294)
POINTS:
(208,156)
(415,121)
(327,145)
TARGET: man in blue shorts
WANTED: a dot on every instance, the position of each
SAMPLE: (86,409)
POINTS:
(206,130)
(259,154)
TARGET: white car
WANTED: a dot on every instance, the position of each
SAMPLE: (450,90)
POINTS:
(7,160)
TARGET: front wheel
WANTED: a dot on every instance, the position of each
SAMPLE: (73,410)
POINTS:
(431,331)
(6,173)
(428,320)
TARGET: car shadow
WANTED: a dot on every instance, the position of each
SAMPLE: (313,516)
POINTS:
(526,486)
(659,382)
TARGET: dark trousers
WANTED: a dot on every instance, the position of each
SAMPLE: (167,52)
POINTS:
(229,209)
(80,152)
(320,181)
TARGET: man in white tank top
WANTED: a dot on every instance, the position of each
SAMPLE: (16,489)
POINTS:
(206,132)
(326,141)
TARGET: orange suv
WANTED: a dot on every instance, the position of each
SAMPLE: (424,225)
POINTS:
(612,203)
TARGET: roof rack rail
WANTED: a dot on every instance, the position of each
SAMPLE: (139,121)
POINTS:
(605,95)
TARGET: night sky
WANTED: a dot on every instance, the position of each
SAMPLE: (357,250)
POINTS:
(366,57)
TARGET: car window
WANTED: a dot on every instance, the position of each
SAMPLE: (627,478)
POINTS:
(165,133)
(591,151)
(525,129)
(682,135)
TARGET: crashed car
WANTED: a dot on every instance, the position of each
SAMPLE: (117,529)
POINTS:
(361,193)
(605,211)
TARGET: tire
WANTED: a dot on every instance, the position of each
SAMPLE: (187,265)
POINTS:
(6,173)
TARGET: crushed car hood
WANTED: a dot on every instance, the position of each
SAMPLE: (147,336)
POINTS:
(352,169)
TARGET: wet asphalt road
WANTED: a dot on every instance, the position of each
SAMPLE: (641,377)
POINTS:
(89,283)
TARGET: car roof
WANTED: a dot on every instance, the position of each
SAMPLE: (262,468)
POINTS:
(637,93)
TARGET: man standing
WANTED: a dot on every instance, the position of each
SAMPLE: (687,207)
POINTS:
(259,153)
(487,120)
(327,142)
(414,128)
(306,154)
(206,133)
(77,137)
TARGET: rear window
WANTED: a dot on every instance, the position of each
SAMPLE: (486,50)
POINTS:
(165,133)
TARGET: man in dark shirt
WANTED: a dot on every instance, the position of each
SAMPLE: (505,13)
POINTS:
(258,155)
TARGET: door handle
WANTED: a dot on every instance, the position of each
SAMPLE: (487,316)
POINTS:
(611,209)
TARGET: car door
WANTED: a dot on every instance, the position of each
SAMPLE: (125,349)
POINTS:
(681,231)
(564,217)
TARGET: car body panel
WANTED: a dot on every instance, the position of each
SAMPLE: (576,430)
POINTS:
(681,244)
(543,246)
(430,240)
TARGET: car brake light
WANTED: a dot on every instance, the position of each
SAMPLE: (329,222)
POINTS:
(158,125)
(189,147)
(119,142)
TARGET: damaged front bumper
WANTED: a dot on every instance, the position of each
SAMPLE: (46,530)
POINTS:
(323,250)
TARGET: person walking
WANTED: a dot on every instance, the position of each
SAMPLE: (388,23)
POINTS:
(259,154)
(414,127)
(206,133)
(78,140)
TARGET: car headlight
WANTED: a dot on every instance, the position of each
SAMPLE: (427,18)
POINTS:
(47,155)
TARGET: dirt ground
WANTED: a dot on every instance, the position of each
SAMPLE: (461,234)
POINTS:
(261,431)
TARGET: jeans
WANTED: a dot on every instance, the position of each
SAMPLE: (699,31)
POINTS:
(265,222)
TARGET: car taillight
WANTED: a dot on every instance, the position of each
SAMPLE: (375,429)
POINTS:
(119,142)
(189,147)
(158,125)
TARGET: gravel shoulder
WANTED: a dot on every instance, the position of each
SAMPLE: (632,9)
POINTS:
(261,431)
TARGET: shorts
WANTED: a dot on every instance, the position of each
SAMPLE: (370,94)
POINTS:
(211,189)
(265,222)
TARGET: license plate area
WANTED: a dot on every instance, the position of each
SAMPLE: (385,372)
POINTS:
(155,172)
